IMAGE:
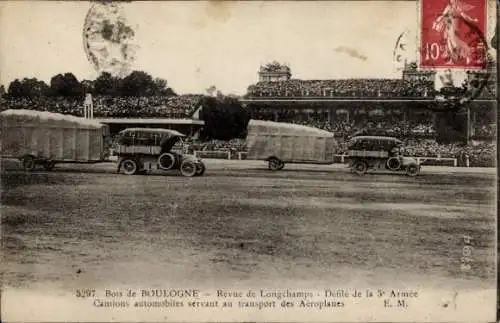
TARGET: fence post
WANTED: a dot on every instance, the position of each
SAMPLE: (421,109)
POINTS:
(239,155)
(454,162)
(229,155)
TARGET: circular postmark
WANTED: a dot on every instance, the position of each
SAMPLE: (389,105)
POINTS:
(108,39)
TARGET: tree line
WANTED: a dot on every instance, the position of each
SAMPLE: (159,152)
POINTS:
(136,84)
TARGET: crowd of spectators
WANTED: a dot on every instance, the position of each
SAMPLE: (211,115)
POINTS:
(182,106)
(485,130)
(392,125)
(480,154)
(236,145)
(374,88)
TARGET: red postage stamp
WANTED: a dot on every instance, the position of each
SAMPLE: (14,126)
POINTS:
(451,33)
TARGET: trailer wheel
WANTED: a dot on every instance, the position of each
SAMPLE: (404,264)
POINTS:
(200,169)
(130,166)
(188,168)
(360,168)
(29,163)
(412,170)
(48,166)
(275,164)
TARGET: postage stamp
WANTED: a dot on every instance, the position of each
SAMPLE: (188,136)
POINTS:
(452,33)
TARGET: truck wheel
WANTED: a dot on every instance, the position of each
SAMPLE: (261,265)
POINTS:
(48,166)
(200,170)
(275,164)
(393,163)
(29,163)
(412,170)
(130,166)
(188,168)
(166,161)
(360,168)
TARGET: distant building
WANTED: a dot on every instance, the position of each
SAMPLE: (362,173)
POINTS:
(274,72)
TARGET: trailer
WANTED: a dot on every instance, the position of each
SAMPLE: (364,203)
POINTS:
(279,143)
(39,138)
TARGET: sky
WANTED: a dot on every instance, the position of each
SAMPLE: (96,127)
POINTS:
(194,45)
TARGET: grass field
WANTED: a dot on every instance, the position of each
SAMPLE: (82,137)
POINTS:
(240,223)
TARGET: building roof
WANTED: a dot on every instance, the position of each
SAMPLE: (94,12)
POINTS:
(150,121)
(169,132)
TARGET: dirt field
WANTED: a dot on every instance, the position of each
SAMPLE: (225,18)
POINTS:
(240,223)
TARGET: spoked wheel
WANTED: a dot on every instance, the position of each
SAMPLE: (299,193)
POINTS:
(166,161)
(48,166)
(393,163)
(275,164)
(200,169)
(29,163)
(188,168)
(412,170)
(360,168)
(130,166)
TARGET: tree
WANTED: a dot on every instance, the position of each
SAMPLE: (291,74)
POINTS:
(66,85)
(225,118)
(138,83)
(15,89)
(451,126)
(27,87)
(161,88)
(88,86)
(2,90)
(107,84)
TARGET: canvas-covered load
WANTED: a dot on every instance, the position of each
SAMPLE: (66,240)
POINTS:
(289,142)
(372,146)
(51,136)
(150,141)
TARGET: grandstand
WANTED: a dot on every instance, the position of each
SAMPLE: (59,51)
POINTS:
(404,108)
(174,112)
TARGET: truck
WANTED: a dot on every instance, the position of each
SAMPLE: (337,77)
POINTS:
(141,150)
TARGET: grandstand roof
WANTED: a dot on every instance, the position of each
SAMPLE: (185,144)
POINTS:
(150,121)
(154,130)
(323,99)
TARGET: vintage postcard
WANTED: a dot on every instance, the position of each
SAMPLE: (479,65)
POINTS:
(248,161)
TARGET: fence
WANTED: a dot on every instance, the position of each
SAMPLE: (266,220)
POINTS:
(234,155)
